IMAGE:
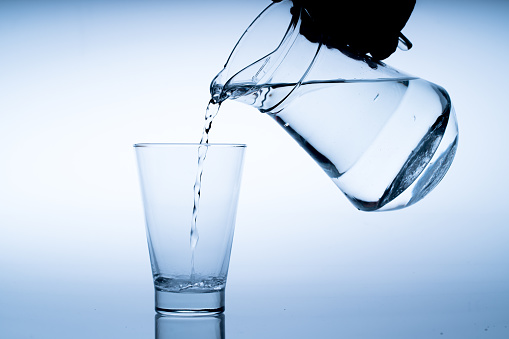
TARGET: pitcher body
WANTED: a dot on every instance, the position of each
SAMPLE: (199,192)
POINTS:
(385,138)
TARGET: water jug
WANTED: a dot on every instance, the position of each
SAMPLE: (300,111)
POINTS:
(385,138)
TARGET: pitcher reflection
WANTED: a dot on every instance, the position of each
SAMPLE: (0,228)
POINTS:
(190,327)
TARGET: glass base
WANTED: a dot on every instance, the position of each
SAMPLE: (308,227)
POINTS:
(189,303)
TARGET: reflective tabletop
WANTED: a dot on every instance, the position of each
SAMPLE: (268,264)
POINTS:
(297,309)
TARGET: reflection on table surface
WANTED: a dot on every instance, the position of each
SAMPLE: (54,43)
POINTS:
(367,310)
(190,327)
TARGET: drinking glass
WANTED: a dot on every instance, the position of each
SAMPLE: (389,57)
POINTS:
(190,194)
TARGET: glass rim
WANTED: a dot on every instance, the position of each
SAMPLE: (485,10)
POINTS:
(194,144)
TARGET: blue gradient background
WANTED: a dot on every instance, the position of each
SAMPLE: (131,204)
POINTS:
(81,81)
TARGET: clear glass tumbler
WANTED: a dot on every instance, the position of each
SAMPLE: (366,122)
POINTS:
(190,194)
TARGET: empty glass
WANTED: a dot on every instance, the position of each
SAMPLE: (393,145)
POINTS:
(190,194)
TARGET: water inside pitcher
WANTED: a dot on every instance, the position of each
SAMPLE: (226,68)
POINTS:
(385,138)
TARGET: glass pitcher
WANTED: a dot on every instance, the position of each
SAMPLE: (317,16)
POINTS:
(385,138)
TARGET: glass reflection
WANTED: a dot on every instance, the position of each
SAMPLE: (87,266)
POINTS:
(189,327)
